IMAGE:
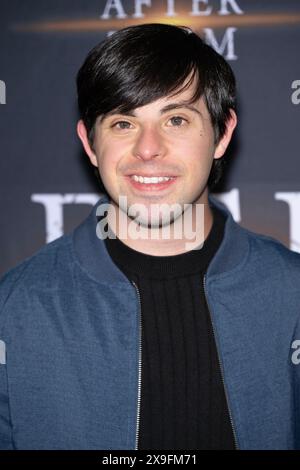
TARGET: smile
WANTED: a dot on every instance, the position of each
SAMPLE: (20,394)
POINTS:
(151,183)
(151,179)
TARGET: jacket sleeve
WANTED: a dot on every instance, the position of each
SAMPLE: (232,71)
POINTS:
(7,284)
(295,359)
(6,441)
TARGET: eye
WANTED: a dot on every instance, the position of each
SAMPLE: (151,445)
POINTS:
(121,125)
(177,121)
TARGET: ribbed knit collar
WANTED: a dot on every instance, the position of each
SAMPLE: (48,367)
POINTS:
(161,267)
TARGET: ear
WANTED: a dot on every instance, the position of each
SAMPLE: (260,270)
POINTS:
(82,134)
(224,142)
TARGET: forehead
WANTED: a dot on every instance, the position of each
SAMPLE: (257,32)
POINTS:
(182,98)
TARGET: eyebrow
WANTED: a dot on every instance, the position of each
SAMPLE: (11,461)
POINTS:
(163,110)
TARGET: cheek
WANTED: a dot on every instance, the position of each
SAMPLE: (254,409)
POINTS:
(107,170)
(110,173)
(108,159)
(199,157)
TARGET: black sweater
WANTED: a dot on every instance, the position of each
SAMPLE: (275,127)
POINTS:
(183,404)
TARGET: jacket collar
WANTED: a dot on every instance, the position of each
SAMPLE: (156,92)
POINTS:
(234,247)
(91,252)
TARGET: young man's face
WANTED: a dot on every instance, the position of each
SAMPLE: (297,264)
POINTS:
(162,139)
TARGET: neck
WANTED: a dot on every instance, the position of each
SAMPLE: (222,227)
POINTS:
(184,234)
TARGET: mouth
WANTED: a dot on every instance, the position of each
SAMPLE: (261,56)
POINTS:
(151,183)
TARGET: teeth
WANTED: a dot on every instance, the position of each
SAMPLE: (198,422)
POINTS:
(152,179)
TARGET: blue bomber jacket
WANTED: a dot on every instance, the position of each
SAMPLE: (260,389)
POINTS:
(70,341)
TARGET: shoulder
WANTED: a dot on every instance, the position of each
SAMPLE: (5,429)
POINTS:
(269,246)
(261,248)
(45,267)
(272,258)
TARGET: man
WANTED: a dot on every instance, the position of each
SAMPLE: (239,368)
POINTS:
(117,337)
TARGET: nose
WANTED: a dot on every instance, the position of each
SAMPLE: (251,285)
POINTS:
(149,144)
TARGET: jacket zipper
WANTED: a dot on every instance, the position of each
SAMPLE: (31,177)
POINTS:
(139,370)
(220,365)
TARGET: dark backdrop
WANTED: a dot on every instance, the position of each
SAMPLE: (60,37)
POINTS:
(47,185)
